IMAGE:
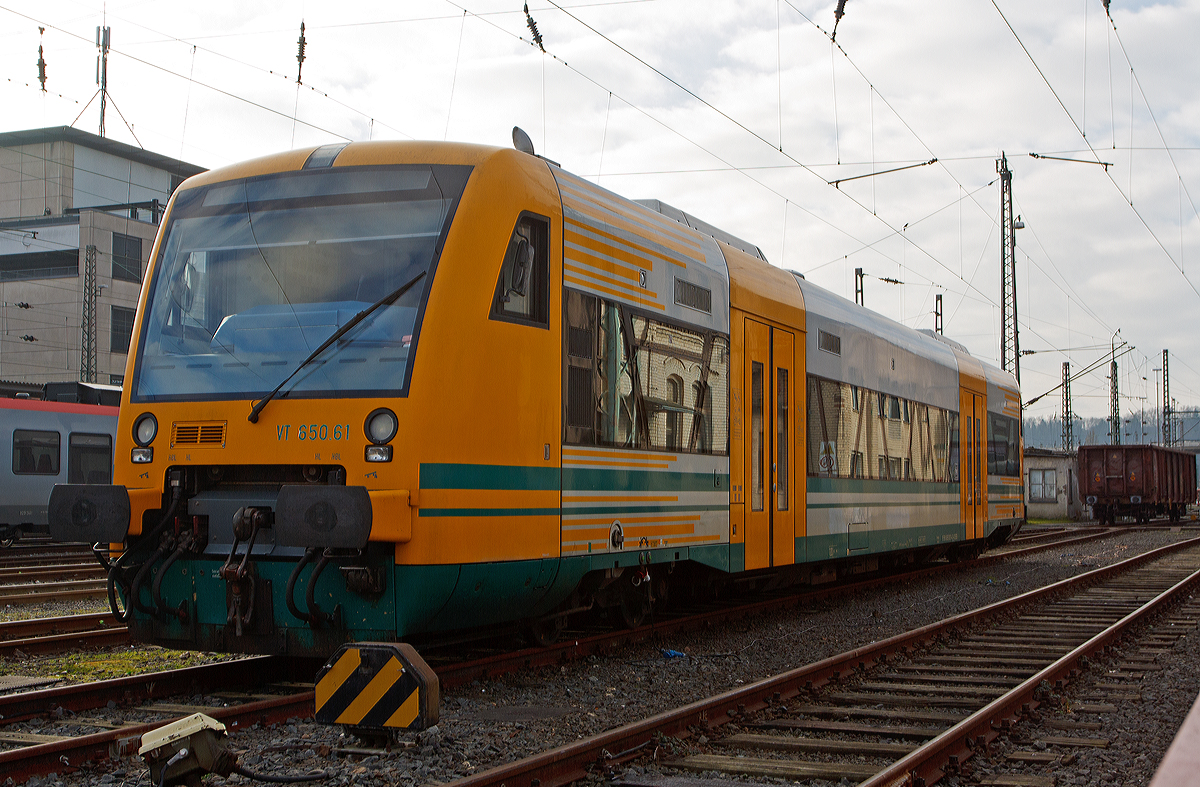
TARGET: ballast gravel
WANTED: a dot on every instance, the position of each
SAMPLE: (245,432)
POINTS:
(496,721)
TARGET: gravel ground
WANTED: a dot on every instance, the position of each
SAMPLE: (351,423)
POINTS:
(497,721)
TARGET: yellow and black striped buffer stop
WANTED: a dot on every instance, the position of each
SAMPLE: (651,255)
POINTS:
(378,686)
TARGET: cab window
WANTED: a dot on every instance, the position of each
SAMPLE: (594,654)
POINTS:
(523,290)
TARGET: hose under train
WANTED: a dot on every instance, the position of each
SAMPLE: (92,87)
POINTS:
(115,567)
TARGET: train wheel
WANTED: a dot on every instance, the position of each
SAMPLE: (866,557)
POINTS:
(635,601)
(544,632)
(633,609)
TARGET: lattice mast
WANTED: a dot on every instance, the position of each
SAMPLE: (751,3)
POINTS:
(87,354)
(1068,426)
(1114,416)
(1010,346)
(1167,431)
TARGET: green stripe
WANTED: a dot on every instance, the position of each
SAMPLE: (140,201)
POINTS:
(632,509)
(851,486)
(456,476)
(896,504)
(435,512)
(589,479)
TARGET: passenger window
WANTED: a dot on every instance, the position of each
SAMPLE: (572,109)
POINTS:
(35,452)
(89,459)
(523,291)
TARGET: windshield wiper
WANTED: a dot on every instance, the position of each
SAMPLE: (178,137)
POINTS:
(386,300)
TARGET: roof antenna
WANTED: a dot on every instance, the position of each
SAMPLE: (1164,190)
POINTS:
(522,142)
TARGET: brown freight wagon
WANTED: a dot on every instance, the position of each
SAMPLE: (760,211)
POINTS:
(1136,481)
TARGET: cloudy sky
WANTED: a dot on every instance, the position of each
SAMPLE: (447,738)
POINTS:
(740,113)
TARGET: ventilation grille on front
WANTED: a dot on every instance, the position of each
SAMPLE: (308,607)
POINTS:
(830,343)
(206,435)
(693,296)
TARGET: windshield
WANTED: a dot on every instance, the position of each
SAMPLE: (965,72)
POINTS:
(255,274)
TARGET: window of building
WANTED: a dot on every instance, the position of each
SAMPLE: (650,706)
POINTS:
(674,412)
(89,459)
(910,441)
(523,290)
(635,382)
(35,452)
(122,329)
(127,258)
(1043,486)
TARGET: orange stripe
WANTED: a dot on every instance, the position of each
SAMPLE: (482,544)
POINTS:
(606,200)
(619,454)
(592,247)
(614,463)
(627,519)
(649,252)
(617,293)
(569,498)
(595,274)
(622,221)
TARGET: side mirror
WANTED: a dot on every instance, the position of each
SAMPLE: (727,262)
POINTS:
(522,264)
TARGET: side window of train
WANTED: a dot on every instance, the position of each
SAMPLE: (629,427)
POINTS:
(857,433)
(35,452)
(635,382)
(89,459)
(1004,435)
(523,290)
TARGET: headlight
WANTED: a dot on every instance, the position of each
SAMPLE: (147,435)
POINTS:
(379,453)
(141,456)
(381,426)
(145,429)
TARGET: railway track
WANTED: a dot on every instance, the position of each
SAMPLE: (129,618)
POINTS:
(27,593)
(454,670)
(906,709)
(54,635)
(49,553)
(38,636)
(242,692)
(76,631)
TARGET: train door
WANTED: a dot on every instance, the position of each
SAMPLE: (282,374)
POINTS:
(770,382)
(973,458)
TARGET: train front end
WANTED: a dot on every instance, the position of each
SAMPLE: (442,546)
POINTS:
(274,421)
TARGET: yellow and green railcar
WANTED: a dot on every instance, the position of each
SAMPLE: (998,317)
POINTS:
(381,390)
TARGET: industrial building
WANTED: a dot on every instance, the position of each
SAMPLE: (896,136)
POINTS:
(78,216)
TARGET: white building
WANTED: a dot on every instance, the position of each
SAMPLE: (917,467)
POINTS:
(78,216)
(1052,484)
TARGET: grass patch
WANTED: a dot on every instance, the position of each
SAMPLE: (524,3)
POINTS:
(83,667)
